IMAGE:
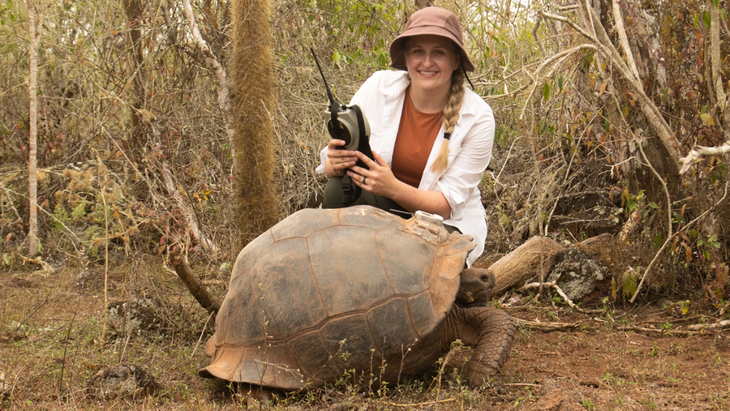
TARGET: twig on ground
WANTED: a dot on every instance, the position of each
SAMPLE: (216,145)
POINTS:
(720,325)
(545,326)
(421,404)
(521,384)
(39,261)
(657,330)
(557,288)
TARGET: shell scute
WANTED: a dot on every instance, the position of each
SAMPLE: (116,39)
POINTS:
(280,279)
(351,336)
(348,269)
(303,223)
(242,306)
(374,218)
(249,255)
(407,260)
(391,326)
(317,364)
(423,314)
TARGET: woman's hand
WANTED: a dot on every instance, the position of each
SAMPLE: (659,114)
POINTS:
(378,178)
(338,160)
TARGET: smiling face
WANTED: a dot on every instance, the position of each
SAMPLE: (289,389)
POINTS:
(431,60)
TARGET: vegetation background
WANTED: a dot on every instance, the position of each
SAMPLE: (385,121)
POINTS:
(612,118)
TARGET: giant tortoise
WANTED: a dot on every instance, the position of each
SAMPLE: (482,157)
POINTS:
(325,291)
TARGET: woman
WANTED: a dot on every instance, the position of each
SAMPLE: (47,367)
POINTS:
(431,137)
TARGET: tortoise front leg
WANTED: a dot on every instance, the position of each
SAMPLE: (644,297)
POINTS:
(490,332)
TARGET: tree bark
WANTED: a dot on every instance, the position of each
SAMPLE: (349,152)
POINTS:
(133,11)
(252,81)
(34,27)
(187,276)
(535,255)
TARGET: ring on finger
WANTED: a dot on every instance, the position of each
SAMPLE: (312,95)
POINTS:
(363,180)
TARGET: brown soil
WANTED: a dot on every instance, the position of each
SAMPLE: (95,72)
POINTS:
(50,346)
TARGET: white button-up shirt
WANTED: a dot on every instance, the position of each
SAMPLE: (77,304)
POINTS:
(381,99)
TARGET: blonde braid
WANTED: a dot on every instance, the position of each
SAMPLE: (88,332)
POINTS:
(451,116)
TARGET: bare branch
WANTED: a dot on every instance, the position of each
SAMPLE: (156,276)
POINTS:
(652,113)
(623,38)
(224,100)
(701,151)
(192,224)
(561,57)
(656,256)
(669,216)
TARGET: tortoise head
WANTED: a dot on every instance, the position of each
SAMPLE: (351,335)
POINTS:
(475,287)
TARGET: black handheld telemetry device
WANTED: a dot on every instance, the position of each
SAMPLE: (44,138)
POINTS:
(349,124)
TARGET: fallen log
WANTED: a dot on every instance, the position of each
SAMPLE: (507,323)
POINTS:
(534,256)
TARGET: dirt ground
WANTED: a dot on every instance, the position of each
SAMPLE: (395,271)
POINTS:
(51,328)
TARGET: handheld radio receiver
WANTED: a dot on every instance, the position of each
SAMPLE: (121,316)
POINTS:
(349,124)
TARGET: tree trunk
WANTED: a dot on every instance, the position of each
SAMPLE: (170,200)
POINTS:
(252,82)
(534,256)
(34,28)
(133,11)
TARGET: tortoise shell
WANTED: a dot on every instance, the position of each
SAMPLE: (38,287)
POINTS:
(328,290)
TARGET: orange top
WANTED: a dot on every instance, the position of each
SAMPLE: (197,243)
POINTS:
(416,135)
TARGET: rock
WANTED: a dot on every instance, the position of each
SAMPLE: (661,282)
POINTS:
(124,380)
(133,315)
(576,273)
(22,283)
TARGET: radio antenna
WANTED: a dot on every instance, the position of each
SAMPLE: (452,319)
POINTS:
(329,93)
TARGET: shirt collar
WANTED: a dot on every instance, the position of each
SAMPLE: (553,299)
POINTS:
(398,85)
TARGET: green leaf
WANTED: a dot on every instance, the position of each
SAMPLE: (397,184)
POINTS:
(629,282)
(546,91)
(658,241)
(707,119)
(606,125)
(706,19)
(560,84)
(504,219)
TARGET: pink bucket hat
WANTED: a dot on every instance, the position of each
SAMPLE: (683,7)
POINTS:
(429,20)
